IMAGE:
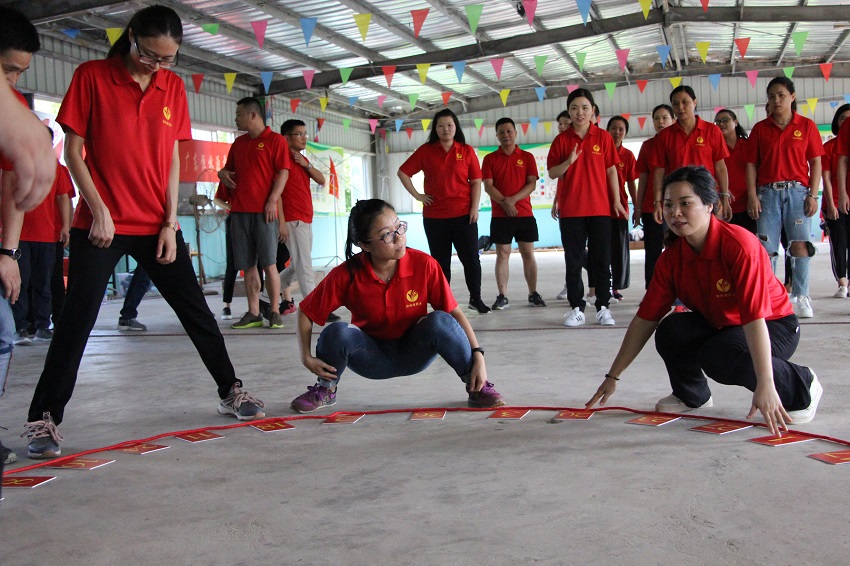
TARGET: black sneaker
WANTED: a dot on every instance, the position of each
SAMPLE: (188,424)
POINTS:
(478,305)
(265,309)
(536,300)
(501,303)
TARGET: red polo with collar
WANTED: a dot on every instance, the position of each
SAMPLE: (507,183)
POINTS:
(736,168)
(510,173)
(703,146)
(297,197)
(583,189)
(447,177)
(626,172)
(256,162)
(643,167)
(40,223)
(784,154)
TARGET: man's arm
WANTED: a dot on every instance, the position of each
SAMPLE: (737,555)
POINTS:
(277,191)
(13,219)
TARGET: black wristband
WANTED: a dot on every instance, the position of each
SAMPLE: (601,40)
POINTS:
(480,350)
(608,375)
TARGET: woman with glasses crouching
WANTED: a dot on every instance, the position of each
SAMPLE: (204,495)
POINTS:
(387,287)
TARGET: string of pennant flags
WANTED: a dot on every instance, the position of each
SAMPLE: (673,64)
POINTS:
(474,13)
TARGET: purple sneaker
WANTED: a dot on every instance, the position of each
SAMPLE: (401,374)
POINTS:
(488,397)
(317,396)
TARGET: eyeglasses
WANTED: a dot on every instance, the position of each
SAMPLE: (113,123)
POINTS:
(298,134)
(389,237)
(721,121)
(164,62)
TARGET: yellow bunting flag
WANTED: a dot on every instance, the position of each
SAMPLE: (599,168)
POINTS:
(113,34)
(675,81)
(362,21)
(426,123)
(229,79)
(804,108)
(702,47)
(423,71)
(645,5)
(323,102)
(813,102)
(547,126)
(503,94)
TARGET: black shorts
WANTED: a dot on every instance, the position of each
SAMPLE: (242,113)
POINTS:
(523,228)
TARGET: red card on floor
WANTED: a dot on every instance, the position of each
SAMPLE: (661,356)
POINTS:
(840,457)
(574,415)
(515,414)
(653,420)
(343,419)
(721,427)
(427,415)
(26,481)
(787,438)
(81,464)
(142,448)
(272,426)
(198,436)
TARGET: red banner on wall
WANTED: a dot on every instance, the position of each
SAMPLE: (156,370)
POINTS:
(201,160)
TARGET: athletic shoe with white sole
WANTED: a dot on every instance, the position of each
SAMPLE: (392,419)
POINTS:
(806,415)
(841,293)
(604,317)
(804,307)
(562,296)
(574,318)
(43,438)
(672,404)
(241,405)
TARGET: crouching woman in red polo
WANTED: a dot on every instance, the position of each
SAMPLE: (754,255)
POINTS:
(742,329)
(387,287)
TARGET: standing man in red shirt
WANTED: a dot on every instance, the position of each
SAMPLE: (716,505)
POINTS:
(510,175)
(256,171)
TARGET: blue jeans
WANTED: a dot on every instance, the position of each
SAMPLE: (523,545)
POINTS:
(344,345)
(7,338)
(785,207)
(140,284)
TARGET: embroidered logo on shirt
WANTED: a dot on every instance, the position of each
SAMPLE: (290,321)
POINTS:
(412,296)
(459,156)
(596,149)
(519,162)
(261,145)
(700,140)
(723,286)
(798,135)
(166,112)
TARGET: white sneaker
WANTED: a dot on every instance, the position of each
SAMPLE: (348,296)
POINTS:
(672,404)
(574,318)
(806,415)
(841,293)
(804,307)
(562,296)
(792,299)
(591,299)
(604,317)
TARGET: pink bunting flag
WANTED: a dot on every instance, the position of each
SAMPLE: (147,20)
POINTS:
(530,9)
(418,19)
(389,71)
(642,85)
(641,121)
(293,103)
(197,80)
(826,69)
(497,66)
(622,57)
(260,31)
(381,99)
(752,75)
(742,43)
(373,123)
(308,77)
(571,88)
(446,97)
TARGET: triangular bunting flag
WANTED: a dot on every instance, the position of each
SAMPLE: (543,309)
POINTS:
(409,132)
(571,88)
(266,77)
(307,27)
(533,121)
(645,5)
(260,31)
(383,132)
(580,57)
(627,116)
(789,71)
(459,67)
(473,14)
(113,34)
(381,99)
(345,74)
(847,99)
(663,54)
(750,109)
(362,21)
(539,61)
(714,79)
(74,32)
(319,123)
(702,48)
(524,127)
(446,97)
(799,38)
(211,29)
(323,102)
(497,66)
(742,43)
(308,77)
(826,69)
(642,85)
(373,123)
(610,88)
(504,96)
(398,124)
(833,104)
(389,71)
(752,76)
(333,182)
(229,79)
(530,9)
(541,92)
(704,5)
(547,127)
(480,131)
(641,121)
(426,123)
(479,123)
(352,100)
(718,109)
(423,69)
(622,58)
(418,19)
(803,108)
(675,81)
(197,79)
(813,103)
(584,9)
(345,123)
(413,98)
(293,104)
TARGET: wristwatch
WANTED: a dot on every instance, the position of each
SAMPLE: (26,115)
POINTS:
(14,253)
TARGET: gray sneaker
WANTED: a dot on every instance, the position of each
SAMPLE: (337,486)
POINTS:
(248,320)
(131,324)
(44,439)
(7,456)
(275,321)
(501,303)
(22,338)
(43,335)
(241,405)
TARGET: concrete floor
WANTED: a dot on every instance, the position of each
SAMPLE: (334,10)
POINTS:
(462,490)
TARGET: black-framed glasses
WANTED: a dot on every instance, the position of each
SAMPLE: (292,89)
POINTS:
(721,121)
(164,62)
(389,237)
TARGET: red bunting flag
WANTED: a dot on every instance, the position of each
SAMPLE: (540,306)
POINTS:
(742,43)
(704,5)
(826,69)
(293,103)
(446,97)
(197,80)
(642,85)
(626,115)
(524,128)
(389,71)
(320,122)
(333,185)
(409,132)
(418,19)
(642,121)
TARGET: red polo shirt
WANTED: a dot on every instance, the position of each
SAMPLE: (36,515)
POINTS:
(730,282)
(703,146)
(736,167)
(447,177)
(385,311)
(783,155)
(643,167)
(256,162)
(40,223)
(583,189)
(297,197)
(829,162)
(6,165)
(129,140)
(626,171)
(843,138)
(510,173)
